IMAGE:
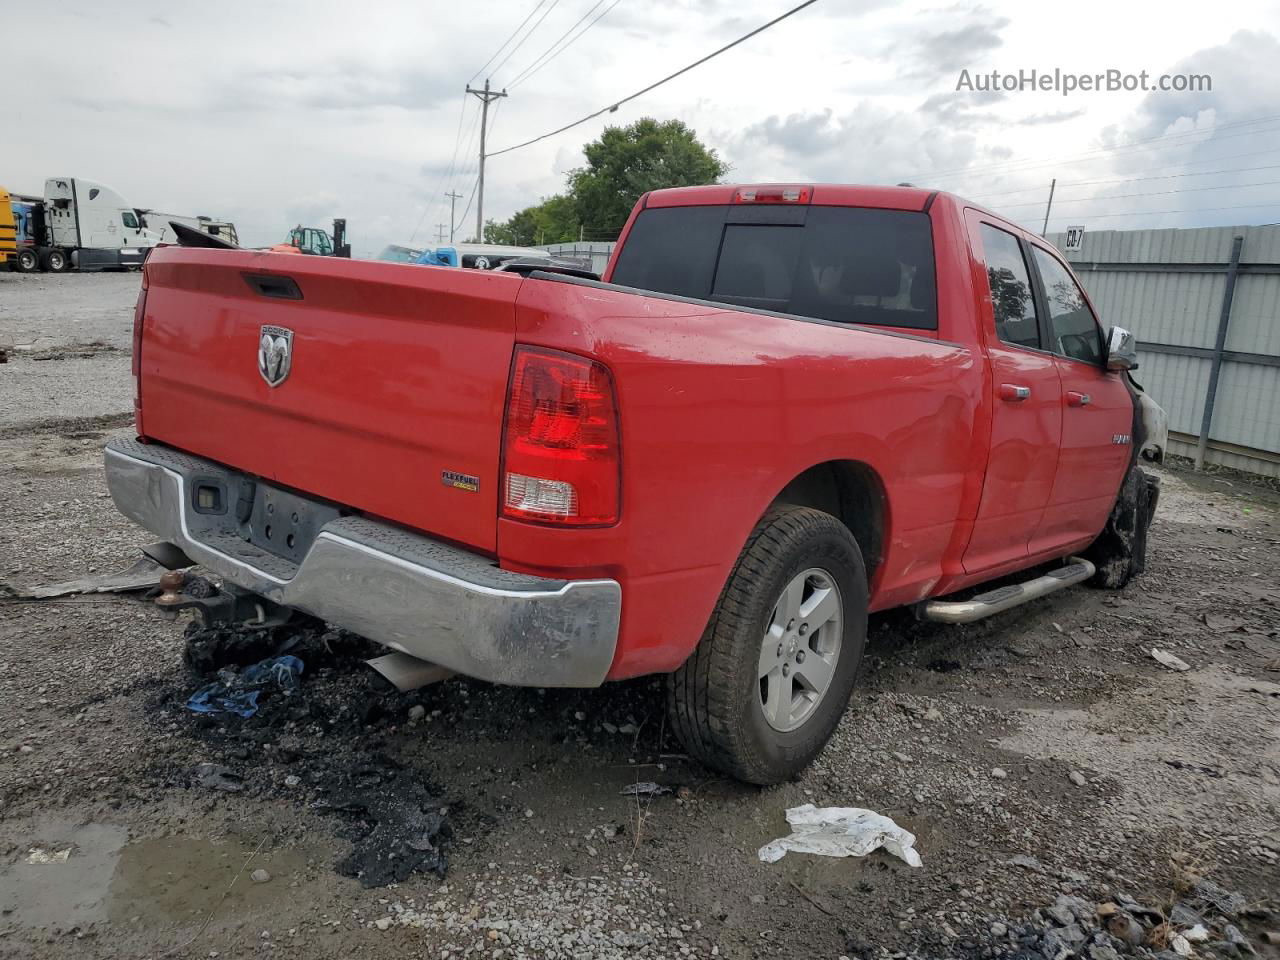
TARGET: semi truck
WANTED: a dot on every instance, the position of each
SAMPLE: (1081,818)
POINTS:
(79,224)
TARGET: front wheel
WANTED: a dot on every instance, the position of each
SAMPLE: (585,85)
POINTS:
(1120,551)
(769,680)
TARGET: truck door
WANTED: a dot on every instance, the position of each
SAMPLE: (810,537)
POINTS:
(1097,413)
(1026,403)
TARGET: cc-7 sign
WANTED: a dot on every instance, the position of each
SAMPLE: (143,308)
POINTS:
(1075,239)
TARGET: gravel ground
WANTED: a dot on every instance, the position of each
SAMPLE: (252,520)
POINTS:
(47,311)
(67,339)
(1040,753)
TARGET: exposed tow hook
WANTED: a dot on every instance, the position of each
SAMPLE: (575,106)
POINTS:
(211,604)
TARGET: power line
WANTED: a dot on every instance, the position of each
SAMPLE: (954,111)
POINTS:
(445,174)
(1155,213)
(653,86)
(467,167)
(1103,154)
(543,60)
(508,40)
(1153,193)
(470,193)
(1013,166)
(1091,183)
(532,31)
(554,44)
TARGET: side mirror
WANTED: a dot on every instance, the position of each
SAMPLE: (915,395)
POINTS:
(1122,350)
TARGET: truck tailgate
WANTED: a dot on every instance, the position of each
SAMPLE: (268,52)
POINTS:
(393,400)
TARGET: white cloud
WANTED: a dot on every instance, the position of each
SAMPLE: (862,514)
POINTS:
(271,113)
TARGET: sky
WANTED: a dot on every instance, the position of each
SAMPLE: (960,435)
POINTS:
(279,112)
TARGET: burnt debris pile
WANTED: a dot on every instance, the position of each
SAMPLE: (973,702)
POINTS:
(317,734)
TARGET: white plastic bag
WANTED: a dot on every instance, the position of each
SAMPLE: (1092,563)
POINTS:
(841,832)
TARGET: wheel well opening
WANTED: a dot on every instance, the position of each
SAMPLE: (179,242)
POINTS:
(850,491)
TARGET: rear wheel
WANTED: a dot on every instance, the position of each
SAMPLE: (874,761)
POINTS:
(769,680)
(55,261)
(28,261)
(1120,552)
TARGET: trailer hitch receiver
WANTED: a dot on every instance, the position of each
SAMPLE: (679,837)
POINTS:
(213,605)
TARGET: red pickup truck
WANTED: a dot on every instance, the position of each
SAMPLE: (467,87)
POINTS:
(782,408)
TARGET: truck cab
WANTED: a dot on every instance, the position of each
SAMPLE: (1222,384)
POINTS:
(90,226)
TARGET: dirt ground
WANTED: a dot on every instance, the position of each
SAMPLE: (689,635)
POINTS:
(1037,753)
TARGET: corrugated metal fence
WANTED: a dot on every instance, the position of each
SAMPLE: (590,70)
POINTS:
(1170,287)
(597,252)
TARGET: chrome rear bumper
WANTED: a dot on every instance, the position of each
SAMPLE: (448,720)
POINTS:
(416,595)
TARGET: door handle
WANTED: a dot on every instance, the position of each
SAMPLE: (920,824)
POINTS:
(1013,392)
(1075,399)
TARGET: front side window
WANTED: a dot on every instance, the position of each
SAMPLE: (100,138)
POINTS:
(1074,332)
(130,220)
(1012,302)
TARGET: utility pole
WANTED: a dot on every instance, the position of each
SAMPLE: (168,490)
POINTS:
(453,199)
(1048,206)
(486,97)
(439,233)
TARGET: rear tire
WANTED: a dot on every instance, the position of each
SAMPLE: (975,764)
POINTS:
(1120,552)
(28,261)
(758,713)
(56,261)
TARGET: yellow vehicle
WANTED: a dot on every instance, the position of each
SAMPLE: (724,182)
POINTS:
(8,231)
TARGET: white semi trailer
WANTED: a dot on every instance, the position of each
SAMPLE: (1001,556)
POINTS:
(82,225)
(159,224)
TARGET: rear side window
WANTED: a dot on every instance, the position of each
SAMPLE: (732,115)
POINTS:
(1012,302)
(843,264)
(672,250)
(1075,333)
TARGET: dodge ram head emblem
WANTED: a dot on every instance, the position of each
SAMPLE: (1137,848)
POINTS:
(275,354)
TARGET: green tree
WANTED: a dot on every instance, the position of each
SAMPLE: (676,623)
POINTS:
(551,221)
(627,162)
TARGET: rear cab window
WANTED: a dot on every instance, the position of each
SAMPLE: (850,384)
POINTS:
(1013,302)
(849,265)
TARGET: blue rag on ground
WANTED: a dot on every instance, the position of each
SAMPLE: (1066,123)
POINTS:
(238,694)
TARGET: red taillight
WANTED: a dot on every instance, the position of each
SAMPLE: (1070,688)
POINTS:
(138,312)
(771,195)
(560,457)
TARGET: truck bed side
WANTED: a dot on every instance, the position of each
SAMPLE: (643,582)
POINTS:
(720,410)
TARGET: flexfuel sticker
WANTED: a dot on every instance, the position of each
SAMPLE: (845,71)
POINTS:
(460,481)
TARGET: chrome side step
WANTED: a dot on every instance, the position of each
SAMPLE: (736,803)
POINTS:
(996,601)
